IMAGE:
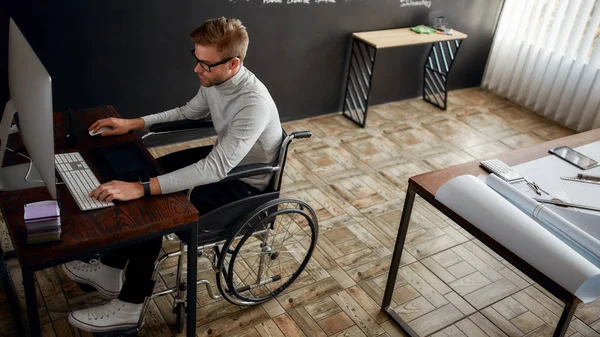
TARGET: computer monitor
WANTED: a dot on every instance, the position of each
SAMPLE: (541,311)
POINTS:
(30,90)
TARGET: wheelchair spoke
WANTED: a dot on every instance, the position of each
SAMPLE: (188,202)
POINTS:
(285,238)
(263,259)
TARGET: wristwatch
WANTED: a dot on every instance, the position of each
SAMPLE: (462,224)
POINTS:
(145,181)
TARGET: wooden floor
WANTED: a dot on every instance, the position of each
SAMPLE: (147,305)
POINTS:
(449,285)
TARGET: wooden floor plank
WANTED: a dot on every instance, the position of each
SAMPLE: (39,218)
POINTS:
(491,293)
(360,317)
(487,326)
(306,323)
(322,309)
(268,329)
(288,327)
(450,331)
(414,308)
(308,293)
(233,324)
(336,323)
(469,328)
(370,306)
(436,320)
(505,325)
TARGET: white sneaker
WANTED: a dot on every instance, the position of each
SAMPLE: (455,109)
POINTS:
(113,315)
(107,280)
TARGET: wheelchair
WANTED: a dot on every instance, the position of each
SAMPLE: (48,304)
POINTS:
(257,246)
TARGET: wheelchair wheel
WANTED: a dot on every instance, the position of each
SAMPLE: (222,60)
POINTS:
(269,250)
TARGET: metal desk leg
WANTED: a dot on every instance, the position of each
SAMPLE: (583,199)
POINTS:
(33,317)
(436,71)
(389,288)
(565,319)
(358,85)
(191,280)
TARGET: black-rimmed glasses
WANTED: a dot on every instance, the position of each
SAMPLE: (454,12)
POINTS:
(207,66)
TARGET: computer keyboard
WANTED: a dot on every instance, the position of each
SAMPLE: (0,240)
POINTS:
(502,170)
(80,180)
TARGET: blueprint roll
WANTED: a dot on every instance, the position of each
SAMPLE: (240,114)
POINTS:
(582,242)
(506,223)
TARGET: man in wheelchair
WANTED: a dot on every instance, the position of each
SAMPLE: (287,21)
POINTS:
(248,131)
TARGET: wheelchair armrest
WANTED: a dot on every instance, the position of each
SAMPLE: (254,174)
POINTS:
(178,126)
(249,171)
(181,125)
(244,171)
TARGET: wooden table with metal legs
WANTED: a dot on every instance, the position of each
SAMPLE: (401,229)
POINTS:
(362,63)
(85,233)
(426,185)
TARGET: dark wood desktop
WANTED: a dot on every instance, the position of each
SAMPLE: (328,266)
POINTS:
(90,232)
(426,185)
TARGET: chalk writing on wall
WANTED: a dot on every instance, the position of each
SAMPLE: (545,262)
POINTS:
(297,1)
(405,3)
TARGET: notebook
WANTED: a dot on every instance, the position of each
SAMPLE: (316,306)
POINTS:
(41,211)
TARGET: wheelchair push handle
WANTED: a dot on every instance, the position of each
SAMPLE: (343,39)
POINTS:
(302,134)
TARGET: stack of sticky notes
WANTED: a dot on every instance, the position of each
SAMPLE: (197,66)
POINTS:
(42,221)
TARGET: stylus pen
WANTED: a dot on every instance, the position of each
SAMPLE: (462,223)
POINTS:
(567,204)
(587,177)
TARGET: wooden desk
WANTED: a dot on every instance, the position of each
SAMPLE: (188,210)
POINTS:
(362,63)
(91,232)
(426,185)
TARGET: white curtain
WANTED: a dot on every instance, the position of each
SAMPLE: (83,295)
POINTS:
(545,56)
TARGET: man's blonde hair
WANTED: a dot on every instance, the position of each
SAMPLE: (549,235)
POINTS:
(229,36)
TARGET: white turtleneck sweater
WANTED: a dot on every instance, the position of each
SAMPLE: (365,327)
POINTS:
(248,131)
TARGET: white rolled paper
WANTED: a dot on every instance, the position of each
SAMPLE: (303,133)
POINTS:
(494,215)
(582,242)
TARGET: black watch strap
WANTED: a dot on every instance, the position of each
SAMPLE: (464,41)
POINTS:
(145,181)
(146,189)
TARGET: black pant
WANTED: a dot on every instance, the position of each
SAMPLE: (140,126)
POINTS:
(141,256)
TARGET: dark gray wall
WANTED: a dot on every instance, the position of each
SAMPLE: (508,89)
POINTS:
(135,54)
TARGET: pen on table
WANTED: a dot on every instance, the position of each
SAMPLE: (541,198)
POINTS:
(534,188)
(567,204)
(587,177)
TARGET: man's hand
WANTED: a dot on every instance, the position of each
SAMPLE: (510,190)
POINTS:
(119,126)
(118,190)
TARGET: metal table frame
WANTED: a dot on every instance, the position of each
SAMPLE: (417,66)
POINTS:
(567,298)
(436,70)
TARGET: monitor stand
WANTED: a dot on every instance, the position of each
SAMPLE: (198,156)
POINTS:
(13,177)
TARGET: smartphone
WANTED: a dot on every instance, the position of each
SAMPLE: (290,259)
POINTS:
(568,154)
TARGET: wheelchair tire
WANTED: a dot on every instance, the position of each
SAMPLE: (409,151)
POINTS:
(270,249)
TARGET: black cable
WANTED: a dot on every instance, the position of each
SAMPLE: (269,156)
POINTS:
(71,139)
